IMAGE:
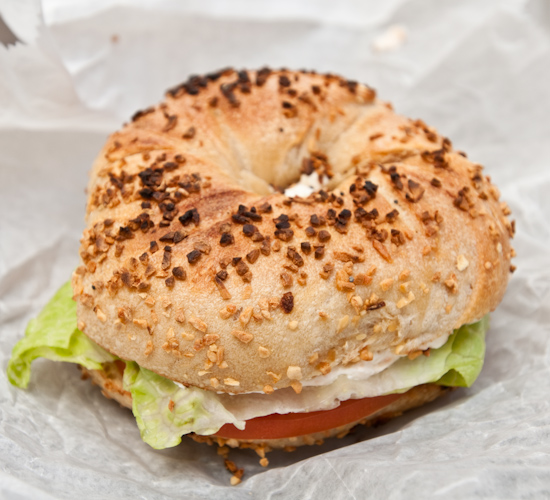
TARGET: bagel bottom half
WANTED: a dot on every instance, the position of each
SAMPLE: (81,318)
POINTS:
(110,382)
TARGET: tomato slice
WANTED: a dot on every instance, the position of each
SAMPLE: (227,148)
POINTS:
(277,426)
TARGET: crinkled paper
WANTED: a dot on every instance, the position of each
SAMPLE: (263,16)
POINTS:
(478,71)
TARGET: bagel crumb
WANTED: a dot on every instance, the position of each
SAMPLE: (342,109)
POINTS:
(287,302)
(193,256)
(404,287)
(244,337)
(362,279)
(393,326)
(274,376)
(198,324)
(313,358)
(245,316)
(451,283)
(323,236)
(293,325)
(286,279)
(462,262)
(142,323)
(265,248)
(252,256)
(148,348)
(405,301)
(264,462)
(180,316)
(210,338)
(342,323)
(190,133)
(263,352)
(268,389)
(365,354)
(404,274)
(324,368)
(386,284)
(227,239)
(291,267)
(154,317)
(100,315)
(294,373)
(382,250)
(296,386)
(357,302)
(327,270)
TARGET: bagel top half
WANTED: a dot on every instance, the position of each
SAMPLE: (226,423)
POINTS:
(196,266)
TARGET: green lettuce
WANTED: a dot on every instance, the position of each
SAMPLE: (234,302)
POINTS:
(165,411)
(457,363)
(54,335)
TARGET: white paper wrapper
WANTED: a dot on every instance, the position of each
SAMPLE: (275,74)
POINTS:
(478,71)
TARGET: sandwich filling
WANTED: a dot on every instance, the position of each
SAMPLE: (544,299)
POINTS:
(165,410)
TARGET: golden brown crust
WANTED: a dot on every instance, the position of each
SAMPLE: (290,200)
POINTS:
(110,382)
(192,269)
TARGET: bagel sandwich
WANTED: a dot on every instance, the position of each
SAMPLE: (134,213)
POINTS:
(272,257)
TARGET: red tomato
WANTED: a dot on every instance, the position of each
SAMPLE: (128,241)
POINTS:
(277,426)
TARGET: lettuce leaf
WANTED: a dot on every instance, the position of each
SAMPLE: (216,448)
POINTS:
(457,363)
(165,411)
(54,335)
